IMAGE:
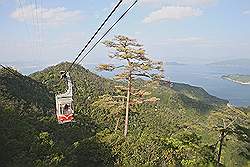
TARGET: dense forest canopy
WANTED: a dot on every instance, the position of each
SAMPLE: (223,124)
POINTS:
(182,129)
(129,111)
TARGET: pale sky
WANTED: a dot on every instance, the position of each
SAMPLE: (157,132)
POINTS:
(185,31)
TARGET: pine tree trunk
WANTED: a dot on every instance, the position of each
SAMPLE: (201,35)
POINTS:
(220,147)
(127,105)
(117,123)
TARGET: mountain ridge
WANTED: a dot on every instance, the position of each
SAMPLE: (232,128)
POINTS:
(105,85)
(15,89)
(177,125)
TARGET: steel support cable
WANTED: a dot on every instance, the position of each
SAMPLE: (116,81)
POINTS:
(22,11)
(98,30)
(41,28)
(36,14)
(29,31)
(33,25)
(39,48)
(118,20)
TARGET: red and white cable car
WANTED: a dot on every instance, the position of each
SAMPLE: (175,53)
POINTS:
(64,103)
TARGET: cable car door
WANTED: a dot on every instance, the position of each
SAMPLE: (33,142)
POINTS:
(64,103)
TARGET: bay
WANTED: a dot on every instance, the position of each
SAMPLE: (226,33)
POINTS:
(209,78)
(205,76)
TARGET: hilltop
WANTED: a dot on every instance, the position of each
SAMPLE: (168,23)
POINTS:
(31,134)
(22,91)
(90,85)
(174,131)
(87,86)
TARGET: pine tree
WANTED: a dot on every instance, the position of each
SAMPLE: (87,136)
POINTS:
(134,64)
(227,123)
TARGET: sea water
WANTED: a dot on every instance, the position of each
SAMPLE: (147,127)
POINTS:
(209,78)
(205,76)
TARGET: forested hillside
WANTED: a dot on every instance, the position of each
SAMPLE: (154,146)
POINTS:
(182,129)
(17,90)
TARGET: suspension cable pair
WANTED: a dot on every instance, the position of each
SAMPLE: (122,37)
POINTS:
(106,33)
(95,34)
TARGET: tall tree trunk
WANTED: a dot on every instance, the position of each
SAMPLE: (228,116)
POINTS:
(127,105)
(117,123)
(222,136)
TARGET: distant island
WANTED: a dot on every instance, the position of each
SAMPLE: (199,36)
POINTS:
(232,63)
(174,63)
(237,78)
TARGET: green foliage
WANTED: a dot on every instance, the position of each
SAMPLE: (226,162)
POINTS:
(15,91)
(198,94)
(232,125)
(137,63)
(168,133)
(30,132)
(134,64)
(243,79)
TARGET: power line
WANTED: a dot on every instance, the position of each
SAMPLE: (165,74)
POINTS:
(39,48)
(33,26)
(22,11)
(41,28)
(36,13)
(118,20)
(91,39)
(29,31)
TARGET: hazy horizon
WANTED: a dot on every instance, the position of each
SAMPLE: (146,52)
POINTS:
(183,31)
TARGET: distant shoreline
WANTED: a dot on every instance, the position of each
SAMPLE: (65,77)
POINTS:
(235,81)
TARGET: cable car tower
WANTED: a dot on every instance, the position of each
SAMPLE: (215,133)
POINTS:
(64,102)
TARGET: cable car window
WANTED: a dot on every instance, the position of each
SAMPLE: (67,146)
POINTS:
(66,109)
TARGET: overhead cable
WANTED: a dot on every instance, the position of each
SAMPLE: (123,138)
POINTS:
(98,30)
(100,39)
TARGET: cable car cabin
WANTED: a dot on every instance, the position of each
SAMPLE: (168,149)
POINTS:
(64,103)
